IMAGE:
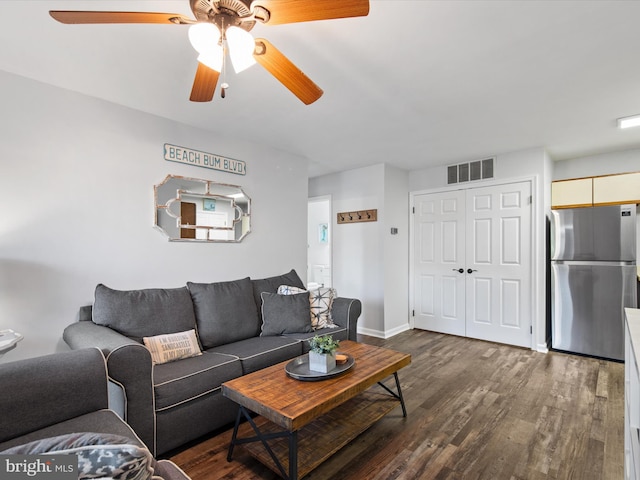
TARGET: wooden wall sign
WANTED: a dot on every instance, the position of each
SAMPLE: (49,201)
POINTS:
(174,153)
(359,216)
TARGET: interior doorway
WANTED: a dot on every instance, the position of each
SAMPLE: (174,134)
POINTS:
(319,240)
(188,217)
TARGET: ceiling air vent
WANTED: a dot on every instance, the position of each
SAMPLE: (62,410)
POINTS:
(465,172)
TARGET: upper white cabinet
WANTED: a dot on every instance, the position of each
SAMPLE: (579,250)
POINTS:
(605,190)
(614,189)
(572,193)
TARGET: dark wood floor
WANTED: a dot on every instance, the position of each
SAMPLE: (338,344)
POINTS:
(476,410)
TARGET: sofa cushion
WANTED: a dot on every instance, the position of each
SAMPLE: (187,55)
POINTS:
(172,346)
(271,285)
(260,352)
(285,314)
(178,382)
(225,311)
(99,455)
(144,313)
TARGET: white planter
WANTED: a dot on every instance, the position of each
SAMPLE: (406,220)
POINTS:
(321,362)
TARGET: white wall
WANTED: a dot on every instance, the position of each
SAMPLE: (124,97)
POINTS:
(506,166)
(357,269)
(605,164)
(77,176)
(368,262)
(396,250)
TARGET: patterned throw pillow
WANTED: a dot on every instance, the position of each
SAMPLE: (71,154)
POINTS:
(289,290)
(173,346)
(320,301)
(100,455)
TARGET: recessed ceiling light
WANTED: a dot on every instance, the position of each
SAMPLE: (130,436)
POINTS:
(628,122)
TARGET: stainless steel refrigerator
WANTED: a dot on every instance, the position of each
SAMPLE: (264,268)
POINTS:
(593,277)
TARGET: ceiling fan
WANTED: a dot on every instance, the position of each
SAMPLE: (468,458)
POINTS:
(222,27)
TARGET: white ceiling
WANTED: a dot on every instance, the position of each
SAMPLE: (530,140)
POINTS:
(414,84)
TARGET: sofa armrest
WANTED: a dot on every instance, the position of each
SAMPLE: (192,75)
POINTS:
(42,391)
(129,366)
(345,312)
(167,470)
(88,334)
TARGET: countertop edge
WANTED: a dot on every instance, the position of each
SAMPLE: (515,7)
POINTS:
(632,316)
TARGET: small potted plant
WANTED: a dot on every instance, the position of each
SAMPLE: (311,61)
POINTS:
(322,356)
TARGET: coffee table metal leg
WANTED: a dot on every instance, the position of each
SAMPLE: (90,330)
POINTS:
(260,437)
(397,395)
(235,435)
(293,455)
(404,408)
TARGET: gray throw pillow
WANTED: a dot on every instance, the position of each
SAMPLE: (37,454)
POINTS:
(225,311)
(285,314)
(144,313)
(271,285)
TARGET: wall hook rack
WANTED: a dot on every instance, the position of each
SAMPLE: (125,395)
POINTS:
(358,216)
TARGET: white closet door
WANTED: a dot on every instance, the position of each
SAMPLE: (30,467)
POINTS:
(439,244)
(472,263)
(498,253)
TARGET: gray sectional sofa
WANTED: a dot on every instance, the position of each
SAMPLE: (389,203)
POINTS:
(241,326)
(58,404)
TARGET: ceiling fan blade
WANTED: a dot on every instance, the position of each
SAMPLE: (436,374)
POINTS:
(204,85)
(292,11)
(71,17)
(286,72)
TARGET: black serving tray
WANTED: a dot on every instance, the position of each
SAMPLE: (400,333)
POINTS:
(298,368)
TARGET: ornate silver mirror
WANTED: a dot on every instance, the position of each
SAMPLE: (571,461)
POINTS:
(191,209)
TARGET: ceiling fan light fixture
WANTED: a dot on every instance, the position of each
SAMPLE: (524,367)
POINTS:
(204,37)
(212,59)
(241,47)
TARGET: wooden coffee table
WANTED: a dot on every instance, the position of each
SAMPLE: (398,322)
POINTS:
(303,423)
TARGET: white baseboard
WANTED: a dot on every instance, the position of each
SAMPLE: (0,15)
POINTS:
(370,332)
(542,348)
(386,334)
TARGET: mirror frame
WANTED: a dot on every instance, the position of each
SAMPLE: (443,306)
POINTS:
(207,189)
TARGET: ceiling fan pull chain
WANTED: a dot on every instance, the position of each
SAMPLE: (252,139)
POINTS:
(223,40)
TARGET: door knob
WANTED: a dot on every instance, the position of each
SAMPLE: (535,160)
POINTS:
(471,271)
(459,270)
